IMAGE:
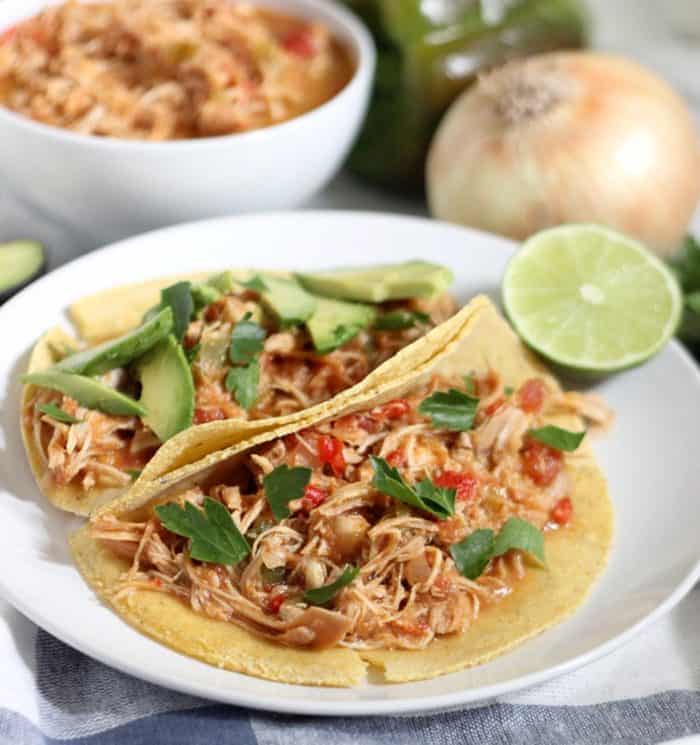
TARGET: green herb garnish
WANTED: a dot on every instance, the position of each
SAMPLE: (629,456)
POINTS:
(243,383)
(283,485)
(178,298)
(557,438)
(425,496)
(508,390)
(323,595)
(57,413)
(472,555)
(133,472)
(453,410)
(398,320)
(256,283)
(214,535)
(247,341)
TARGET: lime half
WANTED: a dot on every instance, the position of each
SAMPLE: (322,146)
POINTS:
(590,299)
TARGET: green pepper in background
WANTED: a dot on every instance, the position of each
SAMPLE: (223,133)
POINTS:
(428,52)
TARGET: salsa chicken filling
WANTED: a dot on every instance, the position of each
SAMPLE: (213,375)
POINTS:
(224,350)
(384,528)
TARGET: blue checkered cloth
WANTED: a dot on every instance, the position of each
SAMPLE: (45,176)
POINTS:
(647,692)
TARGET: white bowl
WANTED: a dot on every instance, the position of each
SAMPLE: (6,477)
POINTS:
(104,189)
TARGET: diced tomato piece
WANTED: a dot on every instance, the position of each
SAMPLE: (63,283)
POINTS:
(396,458)
(202,416)
(275,603)
(540,462)
(531,395)
(330,451)
(300,42)
(562,511)
(8,34)
(290,442)
(464,483)
(392,410)
(313,496)
(214,311)
(492,408)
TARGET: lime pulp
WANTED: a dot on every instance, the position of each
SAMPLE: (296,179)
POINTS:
(591,299)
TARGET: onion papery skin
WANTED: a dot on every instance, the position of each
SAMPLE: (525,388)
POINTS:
(591,138)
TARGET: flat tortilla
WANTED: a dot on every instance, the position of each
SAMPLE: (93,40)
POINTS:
(575,556)
(70,497)
(119,310)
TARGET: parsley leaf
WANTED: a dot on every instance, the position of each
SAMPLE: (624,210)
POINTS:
(247,341)
(453,410)
(256,283)
(425,496)
(133,472)
(520,534)
(398,320)
(509,390)
(178,298)
(243,382)
(283,485)
(214,535)
(472,555)
(557,438)
(57,413)
(322,595)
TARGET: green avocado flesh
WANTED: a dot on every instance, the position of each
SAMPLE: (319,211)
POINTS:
(20,261)
(334,323)
(87,392)
(378,284)
(287,300)
(167,390)
(119,352)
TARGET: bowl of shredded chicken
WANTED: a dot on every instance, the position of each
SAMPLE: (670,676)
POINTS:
(127,115)
(174,69)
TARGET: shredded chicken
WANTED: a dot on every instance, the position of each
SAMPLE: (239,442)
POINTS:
(107,451)
(172,69)
(408,589)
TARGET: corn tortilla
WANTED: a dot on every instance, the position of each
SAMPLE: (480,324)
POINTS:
(119,310)
(576,555)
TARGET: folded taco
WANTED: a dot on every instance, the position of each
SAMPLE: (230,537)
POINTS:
(429,525)
(173,356)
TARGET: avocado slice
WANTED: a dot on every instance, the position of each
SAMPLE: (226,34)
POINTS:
(287,300)
(336,322)
(204,294)
(223,282)
(119,352)
(20,263)
(167,389)
(87,392)
(377,284)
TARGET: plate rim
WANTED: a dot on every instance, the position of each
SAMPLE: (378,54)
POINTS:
(353,706)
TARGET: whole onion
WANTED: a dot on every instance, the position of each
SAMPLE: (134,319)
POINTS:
(568,137)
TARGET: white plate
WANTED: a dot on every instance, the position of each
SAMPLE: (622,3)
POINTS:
(650,461)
